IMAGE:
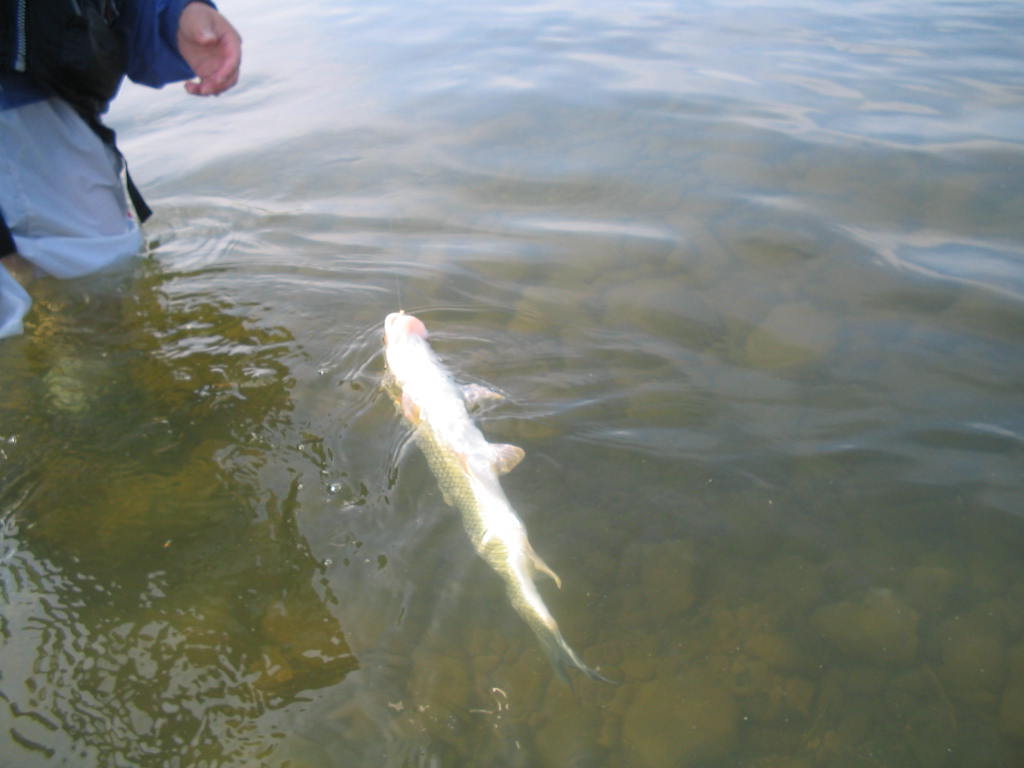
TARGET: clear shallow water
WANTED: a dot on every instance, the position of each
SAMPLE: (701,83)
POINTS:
(751,277)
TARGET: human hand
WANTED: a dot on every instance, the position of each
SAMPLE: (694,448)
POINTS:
(211,46)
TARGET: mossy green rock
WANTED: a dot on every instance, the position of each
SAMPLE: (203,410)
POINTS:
(567,733)
(1011,712)
(928,587)
(1015,664)
(677,723)
(880,628)
(1011,707)
(793,581)
(74,384)
(776,649)
(973,653)
(640,658)
(535,309)
(667,574)
(441,682)
(660,306)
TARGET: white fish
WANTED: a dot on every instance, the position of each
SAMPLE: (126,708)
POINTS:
(467,468)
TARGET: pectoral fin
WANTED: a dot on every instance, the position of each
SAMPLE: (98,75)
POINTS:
(505,457)
(410,410)
(477,394)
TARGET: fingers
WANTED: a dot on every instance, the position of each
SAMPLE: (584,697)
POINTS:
(225,77)
(229,46)
(212,47)
(216,83)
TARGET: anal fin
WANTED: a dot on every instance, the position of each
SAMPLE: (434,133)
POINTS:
(541,567)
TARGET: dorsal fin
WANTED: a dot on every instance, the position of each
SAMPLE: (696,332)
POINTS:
(505,457)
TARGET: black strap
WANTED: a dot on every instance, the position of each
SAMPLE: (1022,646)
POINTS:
(142,211)
(6,240)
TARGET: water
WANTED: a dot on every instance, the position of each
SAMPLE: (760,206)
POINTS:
(752,279)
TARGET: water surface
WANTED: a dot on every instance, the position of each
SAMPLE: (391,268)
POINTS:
(752,279)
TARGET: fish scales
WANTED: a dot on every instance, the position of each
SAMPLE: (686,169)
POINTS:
(466,468)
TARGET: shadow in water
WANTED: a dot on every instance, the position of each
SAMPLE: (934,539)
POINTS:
(160,600)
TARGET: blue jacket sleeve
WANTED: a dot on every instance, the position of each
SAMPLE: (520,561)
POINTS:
(151,32)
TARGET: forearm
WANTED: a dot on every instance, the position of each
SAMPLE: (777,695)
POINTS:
(151,33)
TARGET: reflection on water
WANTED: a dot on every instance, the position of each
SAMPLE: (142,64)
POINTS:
(751,279)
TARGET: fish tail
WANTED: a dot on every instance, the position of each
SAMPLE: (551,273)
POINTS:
(563,658)
(528,604)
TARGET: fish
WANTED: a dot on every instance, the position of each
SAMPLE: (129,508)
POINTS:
(467,468)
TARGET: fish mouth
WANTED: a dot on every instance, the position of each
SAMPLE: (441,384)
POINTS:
(399,325)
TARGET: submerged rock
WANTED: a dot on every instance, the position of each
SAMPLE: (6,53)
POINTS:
(440,682)
(928,587)
(640,658)
(973,653)
(1011,707)
(791,335)
(660,306)
(567,734)
(534,310)
(668,577)
(781,761)
(1011,712)
(793,582)
(776,649)
(664,573)
(524,675)
(681,722)
(880,628)
(74,384)
(304,645)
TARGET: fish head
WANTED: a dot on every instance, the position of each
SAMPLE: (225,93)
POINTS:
(399,326)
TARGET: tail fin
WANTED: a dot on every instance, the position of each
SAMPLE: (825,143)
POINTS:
(562,658)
